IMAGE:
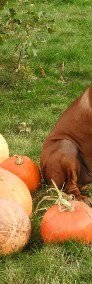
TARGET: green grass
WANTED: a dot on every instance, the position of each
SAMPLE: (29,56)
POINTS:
(41,35)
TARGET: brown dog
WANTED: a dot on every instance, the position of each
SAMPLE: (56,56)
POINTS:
(67,152)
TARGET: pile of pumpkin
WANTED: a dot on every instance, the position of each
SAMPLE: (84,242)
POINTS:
(65,220)
(19,176)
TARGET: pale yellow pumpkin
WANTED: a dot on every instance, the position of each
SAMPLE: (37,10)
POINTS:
(13,188)
(4,150)
(15,227)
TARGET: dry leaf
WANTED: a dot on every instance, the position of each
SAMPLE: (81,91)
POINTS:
(42,72)
(23,127)
(18,68)
(62,68)
(35,51)
(61,79)
(51,29)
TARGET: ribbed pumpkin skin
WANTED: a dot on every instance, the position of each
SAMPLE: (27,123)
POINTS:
(15,227)
(59,226)
(13,188)
(28,171)
(4,150)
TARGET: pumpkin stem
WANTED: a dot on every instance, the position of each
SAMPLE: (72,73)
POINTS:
(48,198)
(19,160)
(63,201)
(62,198)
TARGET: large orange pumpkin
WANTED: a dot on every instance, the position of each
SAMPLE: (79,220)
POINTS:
(60,225)
(15,227)
(13,188)
(4,150)
(26,169)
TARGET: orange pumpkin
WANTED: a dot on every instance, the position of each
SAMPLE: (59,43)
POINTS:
(13,188)
(15,227)
(60,225)
(26,169)
(4,150)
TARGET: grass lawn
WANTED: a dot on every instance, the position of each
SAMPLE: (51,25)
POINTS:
(45,64)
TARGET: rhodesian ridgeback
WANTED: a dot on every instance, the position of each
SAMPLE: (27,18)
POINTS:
(66,156)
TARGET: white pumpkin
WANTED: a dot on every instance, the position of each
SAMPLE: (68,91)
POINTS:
(15,227)
(4,150)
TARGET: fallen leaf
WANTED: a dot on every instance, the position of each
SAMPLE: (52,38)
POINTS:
(51,29)
(23,127)
(42,72)
(61,79)
(35,51)
(62,69)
